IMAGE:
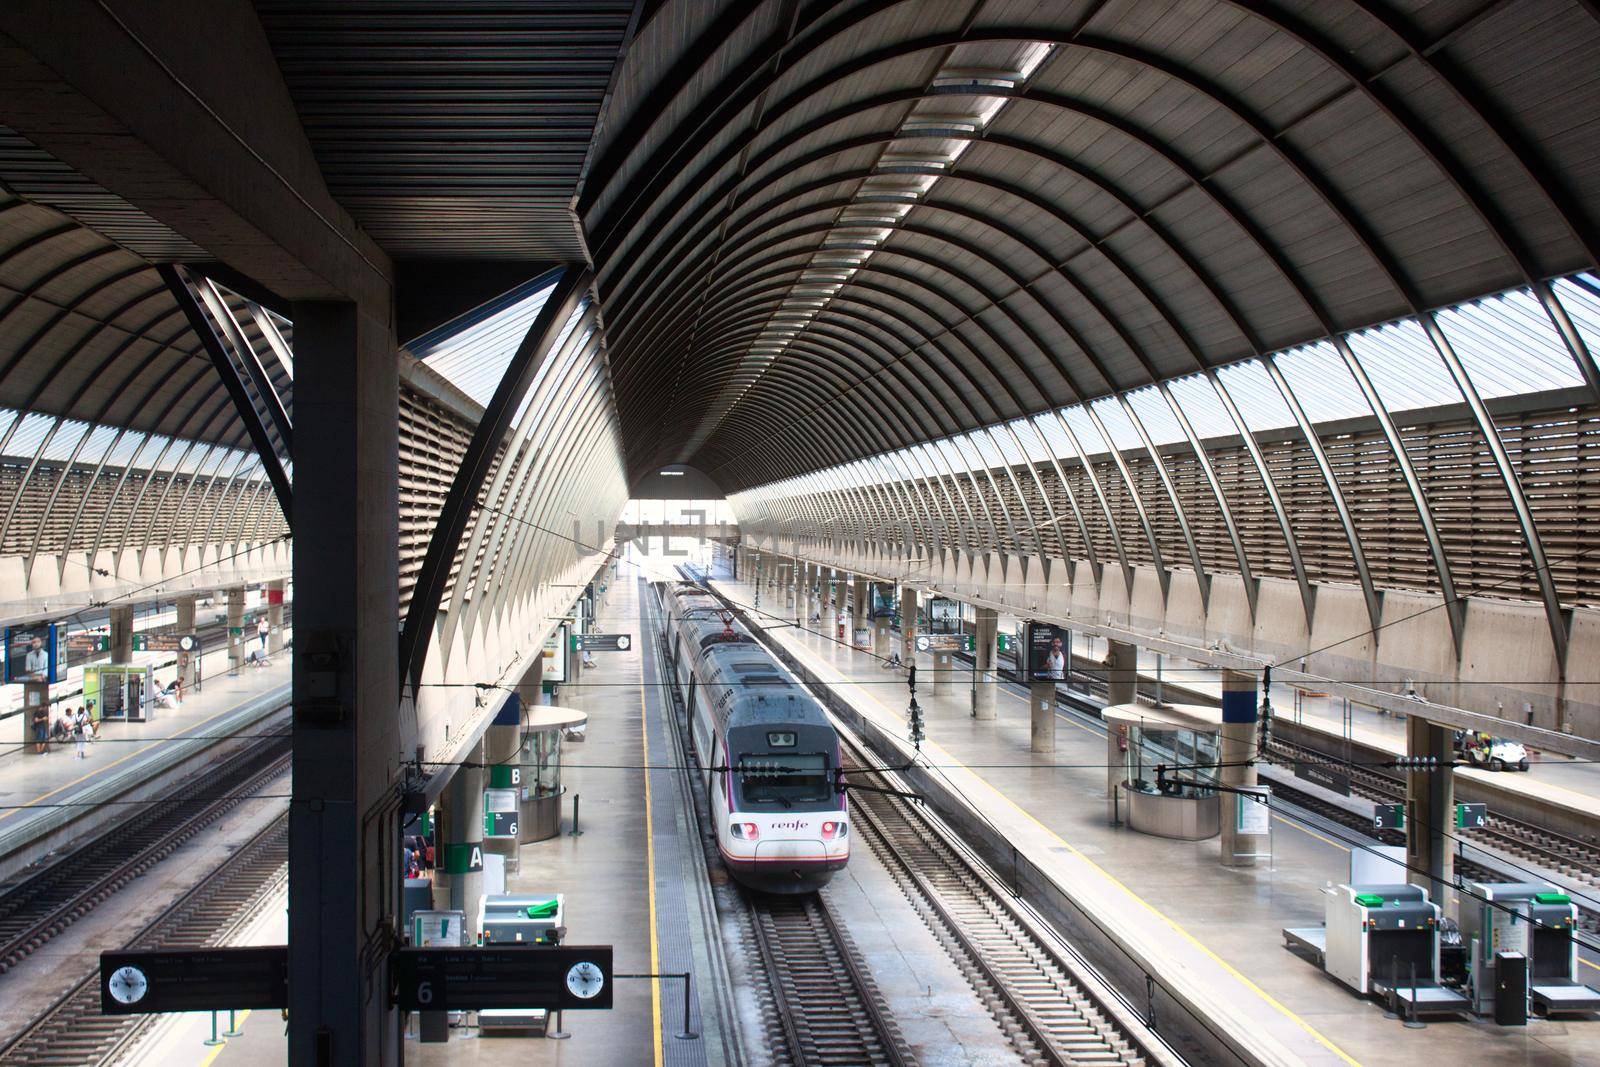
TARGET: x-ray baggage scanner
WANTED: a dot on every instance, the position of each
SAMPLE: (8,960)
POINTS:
(1537,920)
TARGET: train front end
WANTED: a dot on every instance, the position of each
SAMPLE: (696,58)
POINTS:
(788,826)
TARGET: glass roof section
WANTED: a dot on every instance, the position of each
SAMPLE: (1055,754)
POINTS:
(1506,343)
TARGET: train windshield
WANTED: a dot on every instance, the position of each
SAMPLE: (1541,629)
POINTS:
(784,779)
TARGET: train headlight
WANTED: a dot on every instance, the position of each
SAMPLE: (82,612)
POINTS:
(745,831)
(831,830)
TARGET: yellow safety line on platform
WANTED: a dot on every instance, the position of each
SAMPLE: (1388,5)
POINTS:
(650,869)
(120,759)
(1179,930)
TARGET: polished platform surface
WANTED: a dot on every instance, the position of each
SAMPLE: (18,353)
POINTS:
(1215,929)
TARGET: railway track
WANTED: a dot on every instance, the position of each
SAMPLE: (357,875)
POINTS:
(1045,998)
(73,1032)
(828,1007)
(819,1003)
(43,903)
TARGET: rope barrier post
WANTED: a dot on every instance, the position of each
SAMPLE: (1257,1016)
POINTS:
(686,1034)
(575,832)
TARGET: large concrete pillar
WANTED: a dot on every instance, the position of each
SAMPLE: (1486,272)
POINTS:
(943,674)
(275,616)
(830,605)
(1239,847)
(1042,702)
(860,612)
(122,633)
(461,857)
(803,600)
(1431,811)
(985,682)
(909,610)
(882,636)
(1122,673)
(791,582)
(348,744)
(188,668)
(236,635)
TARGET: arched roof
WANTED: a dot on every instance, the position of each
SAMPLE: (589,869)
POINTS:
(824,230)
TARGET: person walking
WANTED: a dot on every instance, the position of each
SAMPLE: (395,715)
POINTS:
(80,732)
(263,628)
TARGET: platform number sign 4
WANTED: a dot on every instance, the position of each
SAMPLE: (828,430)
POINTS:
(585,980)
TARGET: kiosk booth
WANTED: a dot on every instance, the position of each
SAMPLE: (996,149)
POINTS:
(543,730)
(120,692)
(1139,740)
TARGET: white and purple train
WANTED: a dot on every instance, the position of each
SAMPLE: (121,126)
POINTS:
(767,749)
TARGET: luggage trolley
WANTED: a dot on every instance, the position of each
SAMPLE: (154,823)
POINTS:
(1536,919)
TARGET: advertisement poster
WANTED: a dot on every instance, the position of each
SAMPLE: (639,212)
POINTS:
(944,616)
(31,654)
(882,602)
(1047,652)
(555,655)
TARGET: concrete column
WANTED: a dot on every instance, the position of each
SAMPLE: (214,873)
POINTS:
(461,861)
(910,601)
(986,683)
(1122,673)
(790,582)
(188,668)
(860,610)
(236,635)
(501,749)
(1431,811)
(943,675)
(348,740)
(275,616)
(803,600)
(122,633)
(830,604)
(1238,745)
(1042,701)
(882,635)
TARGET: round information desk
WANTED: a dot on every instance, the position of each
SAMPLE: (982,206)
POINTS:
(544,726)
(1184,739)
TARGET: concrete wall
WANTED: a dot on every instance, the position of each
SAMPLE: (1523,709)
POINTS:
(1506,667)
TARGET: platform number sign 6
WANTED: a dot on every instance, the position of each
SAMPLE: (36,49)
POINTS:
(425,992)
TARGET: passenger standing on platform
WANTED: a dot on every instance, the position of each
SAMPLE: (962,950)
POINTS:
(41,729)
(263,628)
(80,731)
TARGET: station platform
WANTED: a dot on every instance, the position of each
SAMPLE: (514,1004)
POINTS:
(1211,933)
(47,800)
(1554,785)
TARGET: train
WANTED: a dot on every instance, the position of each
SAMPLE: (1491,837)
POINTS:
(767,752)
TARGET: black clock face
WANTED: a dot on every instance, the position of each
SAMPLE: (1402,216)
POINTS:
(585,980)
(127,985)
